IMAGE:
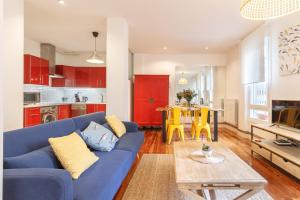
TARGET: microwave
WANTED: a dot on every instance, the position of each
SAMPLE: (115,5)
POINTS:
(32,97)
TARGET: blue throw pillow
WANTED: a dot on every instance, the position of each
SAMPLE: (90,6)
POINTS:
(40,158)
(98,137)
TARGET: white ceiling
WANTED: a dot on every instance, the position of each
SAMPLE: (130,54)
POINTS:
(184,26)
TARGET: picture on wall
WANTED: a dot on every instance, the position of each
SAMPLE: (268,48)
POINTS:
(289,50)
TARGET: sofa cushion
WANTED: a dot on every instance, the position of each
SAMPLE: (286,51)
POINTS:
(73,153)
(116,124)
(98,137)
(25,140)
(83,121)
(41,158)
(103,179)
(131,141)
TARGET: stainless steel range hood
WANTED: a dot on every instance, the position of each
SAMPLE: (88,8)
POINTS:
(48,53)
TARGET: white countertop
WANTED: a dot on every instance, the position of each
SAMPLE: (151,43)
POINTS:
(44,104)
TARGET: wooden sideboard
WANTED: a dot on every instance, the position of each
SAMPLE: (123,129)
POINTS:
(285,157)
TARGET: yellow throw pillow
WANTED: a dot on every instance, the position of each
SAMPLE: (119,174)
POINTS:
(73,154)
(116,124)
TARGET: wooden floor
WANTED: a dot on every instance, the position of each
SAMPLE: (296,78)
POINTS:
(280,185)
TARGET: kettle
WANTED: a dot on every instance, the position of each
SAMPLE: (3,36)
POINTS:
(85,99)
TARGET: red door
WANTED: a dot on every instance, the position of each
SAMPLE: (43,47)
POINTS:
(35,70)
(32,116)
(150,92)
(44,72)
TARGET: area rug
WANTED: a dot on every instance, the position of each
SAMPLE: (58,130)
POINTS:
(154,179)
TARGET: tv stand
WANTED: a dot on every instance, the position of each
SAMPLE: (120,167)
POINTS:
(285,157)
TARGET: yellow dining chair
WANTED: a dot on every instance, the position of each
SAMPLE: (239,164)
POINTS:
(175,124)
(169,118)
(197,126)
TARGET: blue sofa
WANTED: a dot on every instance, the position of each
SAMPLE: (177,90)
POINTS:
(32,172)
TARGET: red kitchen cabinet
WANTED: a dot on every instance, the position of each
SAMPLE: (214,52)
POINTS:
(82,77)
(36,70)
(91,108)
(44,72)
(150,92)
(32,116)
(64,112)
(98,77)
(68,73)
(27,62)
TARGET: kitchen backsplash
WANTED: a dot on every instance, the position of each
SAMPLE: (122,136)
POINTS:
(56,94)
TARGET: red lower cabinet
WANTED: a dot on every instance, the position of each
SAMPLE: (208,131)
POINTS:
(64,112)
(91,108)
(32,116)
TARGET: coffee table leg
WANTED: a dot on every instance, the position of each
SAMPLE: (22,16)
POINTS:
(249,193)
(191,194)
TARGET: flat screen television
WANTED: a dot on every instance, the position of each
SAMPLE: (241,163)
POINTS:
(286,114)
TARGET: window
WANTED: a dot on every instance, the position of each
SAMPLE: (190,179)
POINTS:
(258,92)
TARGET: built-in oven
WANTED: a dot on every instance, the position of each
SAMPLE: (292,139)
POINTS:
(32,97)
(49,114)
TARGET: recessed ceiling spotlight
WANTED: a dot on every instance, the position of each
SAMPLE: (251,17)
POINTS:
(62,2)
(206,48)
(165,48)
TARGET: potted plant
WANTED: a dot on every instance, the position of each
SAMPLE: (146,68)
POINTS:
(179,96)
(189,95)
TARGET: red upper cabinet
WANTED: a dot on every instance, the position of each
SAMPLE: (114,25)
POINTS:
(82,77)
(27,61)
(98,77)
(44,72)
(69,74)
(36,70)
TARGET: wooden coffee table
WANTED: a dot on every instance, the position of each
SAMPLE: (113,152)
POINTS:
(193,177)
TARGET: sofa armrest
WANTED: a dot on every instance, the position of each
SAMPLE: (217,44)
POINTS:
(131,126)
(37,183)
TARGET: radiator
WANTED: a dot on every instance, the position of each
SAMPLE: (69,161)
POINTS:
(231,111)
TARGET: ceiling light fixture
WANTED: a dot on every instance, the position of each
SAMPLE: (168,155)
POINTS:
(94,58)
(182,80)
(62,2)
(266,9)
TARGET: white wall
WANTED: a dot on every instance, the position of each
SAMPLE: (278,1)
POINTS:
(1,96)
(280,87)
(13,63)
(283,87)
(161,64)
(118,92)
(79,59)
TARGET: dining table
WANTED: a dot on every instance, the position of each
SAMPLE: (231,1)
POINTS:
(213,110)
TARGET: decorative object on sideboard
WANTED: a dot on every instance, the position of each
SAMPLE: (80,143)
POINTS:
(289,50)
(266,9)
